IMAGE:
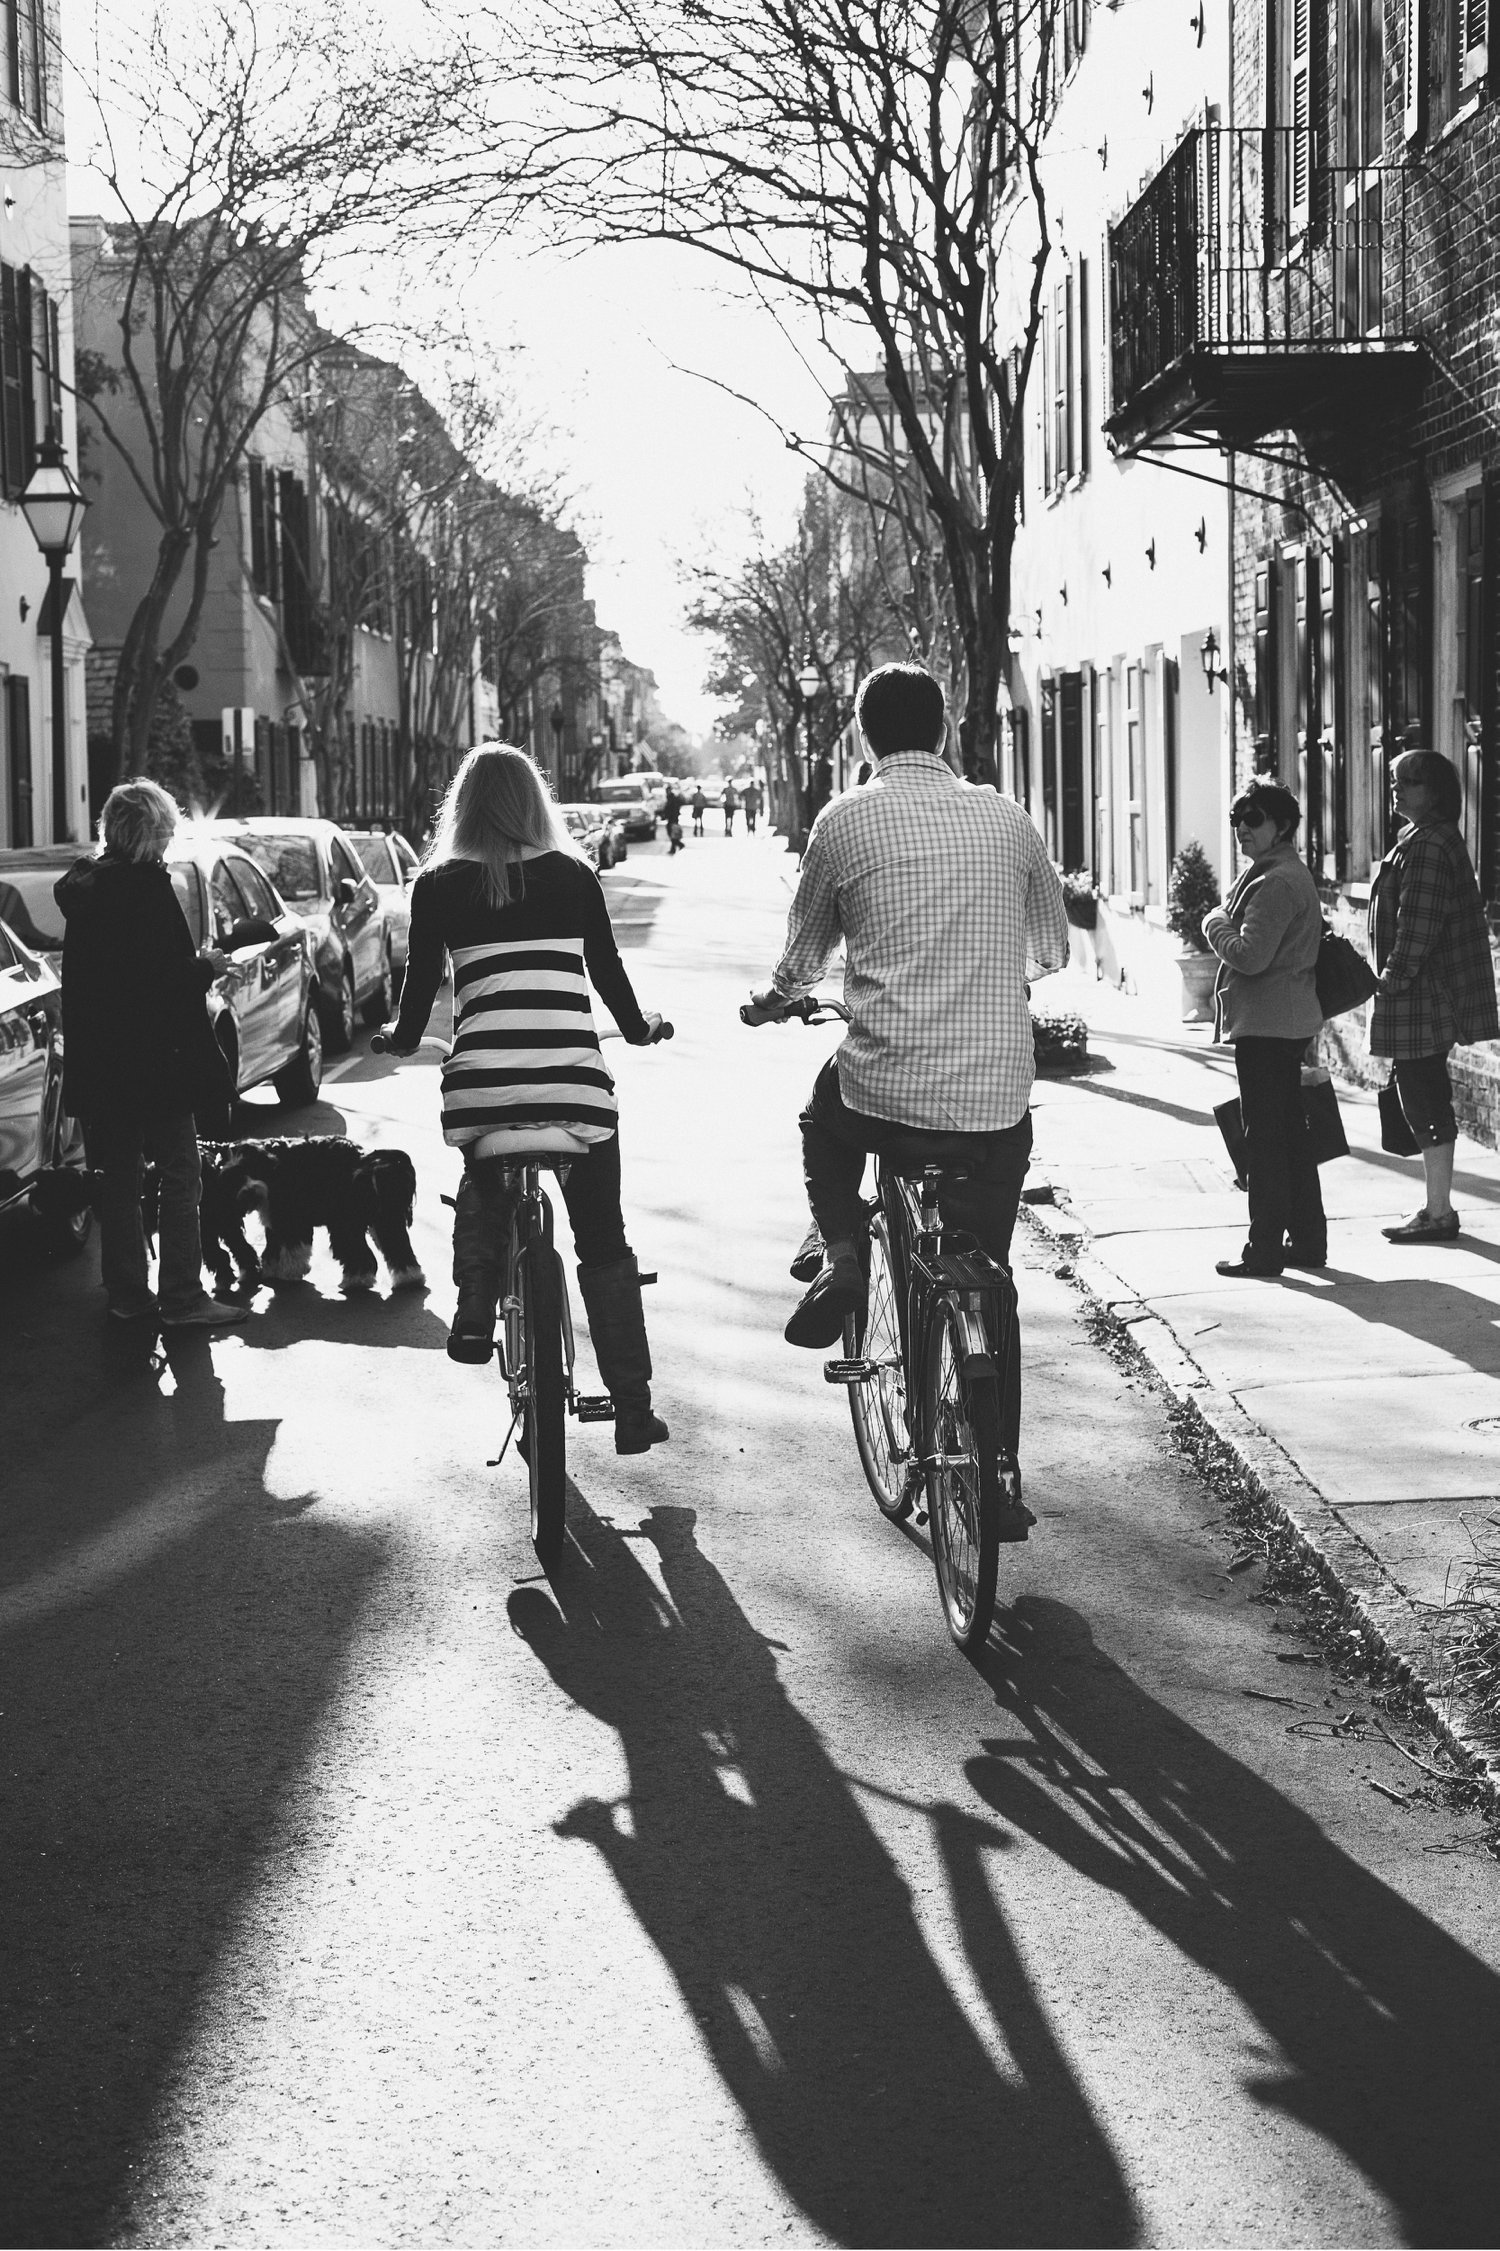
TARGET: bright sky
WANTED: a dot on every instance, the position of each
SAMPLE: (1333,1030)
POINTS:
(665,464)
(664,467)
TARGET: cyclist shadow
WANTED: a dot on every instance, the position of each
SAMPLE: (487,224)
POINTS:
(1379,2027)
(749,1863)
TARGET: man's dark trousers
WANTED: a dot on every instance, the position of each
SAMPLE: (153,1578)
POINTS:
(835,1142)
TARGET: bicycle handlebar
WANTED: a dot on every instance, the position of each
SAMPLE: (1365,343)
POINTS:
(381,1045)
(813,1008)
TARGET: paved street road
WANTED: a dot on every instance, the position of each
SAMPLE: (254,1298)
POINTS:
(361,1887)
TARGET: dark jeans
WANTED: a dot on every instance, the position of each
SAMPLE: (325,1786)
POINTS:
(117,1148)
(1285,1197)
(591,1192)
(835,1143)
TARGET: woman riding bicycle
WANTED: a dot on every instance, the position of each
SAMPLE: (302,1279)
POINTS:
(506,895)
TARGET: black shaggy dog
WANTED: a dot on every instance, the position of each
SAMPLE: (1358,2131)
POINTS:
(298,1186)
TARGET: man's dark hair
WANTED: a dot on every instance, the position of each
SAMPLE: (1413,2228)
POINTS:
(1267,801)
(900,707)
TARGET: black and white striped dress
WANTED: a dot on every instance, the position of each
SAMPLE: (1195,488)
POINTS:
(525,1048)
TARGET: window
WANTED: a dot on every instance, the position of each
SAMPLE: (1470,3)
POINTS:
(228,900)
(18,385)
(1065,379)
(265,533)
(1468,47)
(344,862)
(26,58)
(189,893)
(258,893)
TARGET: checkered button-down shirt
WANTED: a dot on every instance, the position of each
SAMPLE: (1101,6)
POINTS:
(945,900)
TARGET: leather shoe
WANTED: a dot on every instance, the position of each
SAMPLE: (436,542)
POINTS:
(818,1320)
(1241,1267)
(808,1263)
(1422,1227)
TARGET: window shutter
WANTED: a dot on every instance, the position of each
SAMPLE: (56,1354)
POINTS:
(1265,667)
(1413,57)
(1299,112)
(1474,35)
(1082,385)
(1047,446)
(1069,386)
(1489,693)
(257,524)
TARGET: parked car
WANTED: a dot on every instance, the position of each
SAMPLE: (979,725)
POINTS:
(633,798)
(36,1133)
(598,830)
(316,870)
(261,1007)
(391,864)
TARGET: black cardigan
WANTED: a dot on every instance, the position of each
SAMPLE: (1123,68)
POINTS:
(136,1034)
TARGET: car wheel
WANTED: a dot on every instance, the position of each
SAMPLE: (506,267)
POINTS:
(380,1003)
(339,1019)
(299,1083)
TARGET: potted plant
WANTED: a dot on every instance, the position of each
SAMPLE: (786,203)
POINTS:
(1081,905)
(1192,890)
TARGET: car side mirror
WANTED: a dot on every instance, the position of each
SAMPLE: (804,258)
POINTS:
(346,891)
(253,930)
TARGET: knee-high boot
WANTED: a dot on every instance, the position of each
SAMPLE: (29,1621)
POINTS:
(617,1327)
(481,1218)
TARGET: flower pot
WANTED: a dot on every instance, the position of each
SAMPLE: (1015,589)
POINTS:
(1198,974)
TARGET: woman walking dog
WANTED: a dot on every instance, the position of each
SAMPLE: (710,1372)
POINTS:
(505,894)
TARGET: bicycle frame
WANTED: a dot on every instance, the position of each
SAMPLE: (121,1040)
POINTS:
(531,1222)
(978,1289)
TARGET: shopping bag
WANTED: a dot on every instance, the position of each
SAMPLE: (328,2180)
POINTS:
(1325,1127)
(1343,977)
(1396,1136)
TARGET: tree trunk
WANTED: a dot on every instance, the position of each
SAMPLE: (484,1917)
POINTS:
(137,674)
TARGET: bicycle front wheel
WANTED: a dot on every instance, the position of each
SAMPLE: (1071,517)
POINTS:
(882,1431)
(546,1406)
(961,1429)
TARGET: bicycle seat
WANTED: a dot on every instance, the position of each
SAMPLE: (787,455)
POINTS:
(519,1143)
(912,1168)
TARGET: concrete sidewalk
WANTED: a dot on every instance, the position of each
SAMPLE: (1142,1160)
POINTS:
(1364,1397)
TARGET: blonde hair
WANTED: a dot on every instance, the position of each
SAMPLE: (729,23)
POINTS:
(498,803)
(138,820)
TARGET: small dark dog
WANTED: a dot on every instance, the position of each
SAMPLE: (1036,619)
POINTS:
(298,1186)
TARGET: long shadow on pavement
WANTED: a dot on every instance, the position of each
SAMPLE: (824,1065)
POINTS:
(752,1868)
(167,1665)
(1386,2031)
(1454,1320)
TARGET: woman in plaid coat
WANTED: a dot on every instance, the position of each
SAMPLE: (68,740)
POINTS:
(1429,942)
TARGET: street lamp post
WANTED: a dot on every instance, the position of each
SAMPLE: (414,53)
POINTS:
(809,680)
(53,506)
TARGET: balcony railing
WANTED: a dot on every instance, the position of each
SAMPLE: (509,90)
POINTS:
(1245,243)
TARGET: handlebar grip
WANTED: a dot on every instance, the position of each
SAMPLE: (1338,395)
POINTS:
(663,1031)
(379,1044)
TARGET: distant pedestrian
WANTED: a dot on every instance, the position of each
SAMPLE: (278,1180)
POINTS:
(1429,943)
(1266,936)
(673,810)
(141,1056)
(699,804)
(731,807)
(750,799)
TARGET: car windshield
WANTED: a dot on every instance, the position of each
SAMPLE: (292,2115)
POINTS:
(27,904)
(290,861)
(375,858)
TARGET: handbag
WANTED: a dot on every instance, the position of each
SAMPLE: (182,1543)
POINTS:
(1343,977)
(1396,1136)
(1325,1128)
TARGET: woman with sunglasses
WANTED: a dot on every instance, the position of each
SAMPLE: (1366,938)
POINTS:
(1266,936)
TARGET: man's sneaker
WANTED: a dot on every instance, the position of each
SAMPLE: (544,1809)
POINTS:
(819,1319)
(208,1313)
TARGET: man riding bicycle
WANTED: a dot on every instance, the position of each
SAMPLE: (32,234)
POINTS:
(946,902)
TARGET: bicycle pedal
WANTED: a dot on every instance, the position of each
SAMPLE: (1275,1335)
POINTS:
(848,1371)
(643,1279)
(594,1407)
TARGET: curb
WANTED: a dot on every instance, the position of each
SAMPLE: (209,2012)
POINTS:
(1406,1635)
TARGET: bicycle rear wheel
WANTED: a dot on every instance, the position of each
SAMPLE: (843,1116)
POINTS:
(961,1433)
(878,1406)
(546,1405)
